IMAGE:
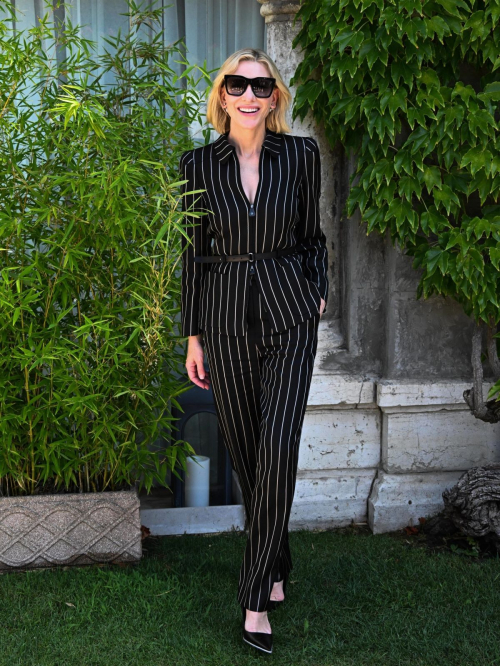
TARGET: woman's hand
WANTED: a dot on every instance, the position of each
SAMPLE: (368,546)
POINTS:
(322,307)
(194,362)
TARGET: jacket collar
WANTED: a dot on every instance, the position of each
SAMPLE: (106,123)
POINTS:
(223,148)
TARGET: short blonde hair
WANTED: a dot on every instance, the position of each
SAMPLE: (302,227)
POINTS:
(276,120)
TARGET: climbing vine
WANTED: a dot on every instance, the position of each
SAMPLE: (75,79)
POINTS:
(413,88)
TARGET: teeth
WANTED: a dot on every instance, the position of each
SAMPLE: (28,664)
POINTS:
(248,109)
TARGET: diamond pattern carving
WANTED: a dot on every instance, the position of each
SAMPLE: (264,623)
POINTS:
(47,530)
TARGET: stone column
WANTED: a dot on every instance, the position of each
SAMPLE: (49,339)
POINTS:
(340,444)
(279,15)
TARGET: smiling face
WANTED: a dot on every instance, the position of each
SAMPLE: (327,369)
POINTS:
(248,111)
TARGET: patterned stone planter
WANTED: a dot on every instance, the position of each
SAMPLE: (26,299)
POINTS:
(70,529)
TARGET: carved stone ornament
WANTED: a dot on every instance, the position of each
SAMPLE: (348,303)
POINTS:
(39,531)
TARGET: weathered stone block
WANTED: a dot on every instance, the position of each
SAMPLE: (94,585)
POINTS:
(340,439)
(428,427)
(398,500)
(332,498)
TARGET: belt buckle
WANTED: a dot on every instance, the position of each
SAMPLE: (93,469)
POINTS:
(250,256)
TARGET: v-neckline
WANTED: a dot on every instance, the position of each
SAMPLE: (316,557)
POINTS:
(257,191)
(238,172)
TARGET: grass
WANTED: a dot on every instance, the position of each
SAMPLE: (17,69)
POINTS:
(354,599)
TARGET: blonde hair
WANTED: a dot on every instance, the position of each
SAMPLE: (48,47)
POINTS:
(276,120)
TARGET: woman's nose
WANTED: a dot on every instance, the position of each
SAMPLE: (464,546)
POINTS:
(249,85)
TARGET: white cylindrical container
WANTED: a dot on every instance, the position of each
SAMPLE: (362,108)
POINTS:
(197,486)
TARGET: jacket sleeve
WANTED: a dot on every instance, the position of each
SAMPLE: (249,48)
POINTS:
(311,241)
(198,244)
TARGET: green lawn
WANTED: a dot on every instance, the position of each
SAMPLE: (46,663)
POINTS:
(354,599)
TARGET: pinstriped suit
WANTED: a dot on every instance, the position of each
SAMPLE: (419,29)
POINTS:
(259,323)
(286,214)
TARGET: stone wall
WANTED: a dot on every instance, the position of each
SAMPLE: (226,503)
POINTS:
(386,428)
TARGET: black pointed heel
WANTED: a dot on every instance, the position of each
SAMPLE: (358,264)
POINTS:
(273,605)
(257,639)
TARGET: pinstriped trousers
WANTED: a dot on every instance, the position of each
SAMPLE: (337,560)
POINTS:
(261,383)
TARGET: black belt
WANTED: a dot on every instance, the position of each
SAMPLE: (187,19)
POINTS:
(251,256)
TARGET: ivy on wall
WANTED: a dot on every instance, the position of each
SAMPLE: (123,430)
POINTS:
(413,88)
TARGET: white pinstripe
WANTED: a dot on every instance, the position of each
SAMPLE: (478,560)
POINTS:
(261,383)
(286,215)
(260,373)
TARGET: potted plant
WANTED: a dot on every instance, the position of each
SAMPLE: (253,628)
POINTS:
(90,227)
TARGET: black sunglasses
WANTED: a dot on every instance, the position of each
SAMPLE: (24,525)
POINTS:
(262,86)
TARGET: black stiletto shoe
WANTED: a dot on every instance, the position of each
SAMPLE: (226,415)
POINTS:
(273,605)
(257,639)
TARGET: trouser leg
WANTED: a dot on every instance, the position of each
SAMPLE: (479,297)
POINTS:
(285,559)
(286,364)
(261,384)
(234,374)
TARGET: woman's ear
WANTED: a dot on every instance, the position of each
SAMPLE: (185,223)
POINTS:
(222,93)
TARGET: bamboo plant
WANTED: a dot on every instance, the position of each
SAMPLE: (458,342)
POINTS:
(90,228)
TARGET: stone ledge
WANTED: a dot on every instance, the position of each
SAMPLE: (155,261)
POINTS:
(399,394)
(341,390)
(437,441)
(193,520)
(323,499)
(278,10)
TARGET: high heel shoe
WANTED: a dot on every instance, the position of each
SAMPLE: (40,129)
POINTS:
(272,604)
(257,639)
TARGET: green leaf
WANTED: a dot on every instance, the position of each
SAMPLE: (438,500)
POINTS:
(432,220)
(477,259)
(446,197)
(437,25)
(432,258)
(482,119)
(368,52)
(452,7)
(347,37)
(398,209)
(494,253)
(403,160)
(374,217)
(408,186)
(491,91)
(466,93)
(397,101)
(481,226)
(477,157)
(432,178)
(454,239)
(443,262)
(454,115)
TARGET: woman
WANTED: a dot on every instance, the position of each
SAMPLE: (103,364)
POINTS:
(254,286)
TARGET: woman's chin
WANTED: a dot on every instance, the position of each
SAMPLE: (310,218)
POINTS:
(249,123)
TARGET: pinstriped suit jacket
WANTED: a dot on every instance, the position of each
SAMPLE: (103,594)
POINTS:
(285,213)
